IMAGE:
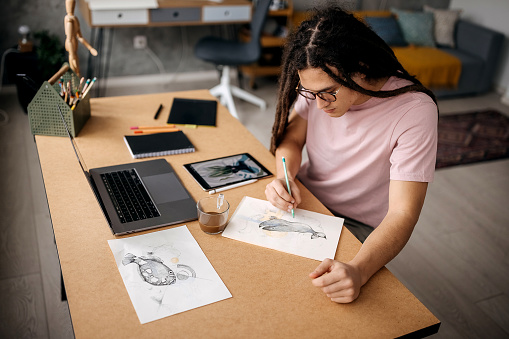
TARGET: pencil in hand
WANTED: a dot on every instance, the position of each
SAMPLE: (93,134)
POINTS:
(288,183)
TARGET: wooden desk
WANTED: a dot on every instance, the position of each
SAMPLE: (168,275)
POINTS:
(272,293)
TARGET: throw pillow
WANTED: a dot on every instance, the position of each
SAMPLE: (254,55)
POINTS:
(445,23)
(388,29)
(417,27)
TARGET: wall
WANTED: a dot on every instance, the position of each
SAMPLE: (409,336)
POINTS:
(493,14)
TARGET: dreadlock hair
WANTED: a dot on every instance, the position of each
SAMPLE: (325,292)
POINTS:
(334,38)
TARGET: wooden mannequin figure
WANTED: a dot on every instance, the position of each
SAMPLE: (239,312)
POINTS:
(73,36)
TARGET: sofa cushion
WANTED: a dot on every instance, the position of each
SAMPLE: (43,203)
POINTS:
(445,23)
(388,29)
(417,27)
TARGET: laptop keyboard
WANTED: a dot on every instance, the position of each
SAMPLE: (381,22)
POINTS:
(129,196)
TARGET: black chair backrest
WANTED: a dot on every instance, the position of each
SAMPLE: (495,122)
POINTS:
(253,48)
(258,20)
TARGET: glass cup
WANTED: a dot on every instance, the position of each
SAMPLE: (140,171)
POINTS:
(213,214)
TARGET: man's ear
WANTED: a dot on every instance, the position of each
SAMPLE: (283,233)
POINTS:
(363,66)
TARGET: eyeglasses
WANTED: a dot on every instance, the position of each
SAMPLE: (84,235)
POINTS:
(325,96)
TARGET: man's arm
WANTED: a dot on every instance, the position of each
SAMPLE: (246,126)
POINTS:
(290,148)
(344,280)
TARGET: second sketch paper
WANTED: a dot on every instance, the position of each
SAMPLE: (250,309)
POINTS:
(309,234)
(166,273)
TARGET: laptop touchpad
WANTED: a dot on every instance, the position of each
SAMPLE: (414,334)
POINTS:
(165,188)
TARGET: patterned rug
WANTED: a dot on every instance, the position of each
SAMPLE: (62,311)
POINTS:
(472,137)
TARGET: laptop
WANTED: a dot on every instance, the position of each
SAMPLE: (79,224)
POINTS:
(138,196)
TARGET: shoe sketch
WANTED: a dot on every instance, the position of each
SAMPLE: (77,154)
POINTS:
(280,225)
(153,271)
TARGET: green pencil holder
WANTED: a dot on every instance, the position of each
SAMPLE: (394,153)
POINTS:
(43,111)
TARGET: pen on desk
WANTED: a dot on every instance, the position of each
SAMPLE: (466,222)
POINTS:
(288,183)
(158,111)
(233,186)
(153,127)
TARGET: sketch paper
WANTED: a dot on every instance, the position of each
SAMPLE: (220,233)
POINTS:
(166,273)
(309,234)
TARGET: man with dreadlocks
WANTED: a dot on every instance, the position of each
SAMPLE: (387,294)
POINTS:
(370,130)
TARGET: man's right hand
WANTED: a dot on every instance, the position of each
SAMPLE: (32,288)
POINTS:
(277,194)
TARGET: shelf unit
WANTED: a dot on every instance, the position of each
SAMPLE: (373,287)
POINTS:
(272,47)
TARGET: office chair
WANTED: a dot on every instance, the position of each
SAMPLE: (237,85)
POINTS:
(226,53)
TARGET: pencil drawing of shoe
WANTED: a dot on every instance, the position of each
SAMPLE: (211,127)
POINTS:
(155,272)
(280,225)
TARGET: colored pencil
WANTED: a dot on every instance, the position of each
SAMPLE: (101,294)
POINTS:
(288,183)
(156,131)
(153,127)
(85,92)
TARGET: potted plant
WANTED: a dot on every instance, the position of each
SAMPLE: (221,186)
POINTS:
(30,69)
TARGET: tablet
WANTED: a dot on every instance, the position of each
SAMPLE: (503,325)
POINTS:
(233,169)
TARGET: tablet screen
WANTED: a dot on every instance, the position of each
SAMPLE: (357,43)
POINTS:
(229,170)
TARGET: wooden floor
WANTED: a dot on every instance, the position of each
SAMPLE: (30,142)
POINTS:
(456,263)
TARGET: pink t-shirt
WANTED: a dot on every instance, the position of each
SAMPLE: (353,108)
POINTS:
(353,158)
